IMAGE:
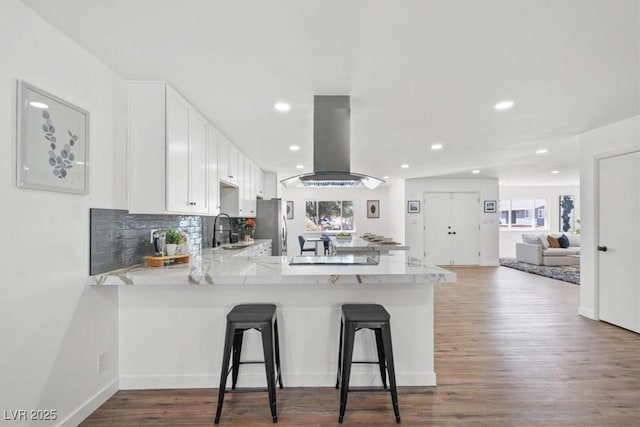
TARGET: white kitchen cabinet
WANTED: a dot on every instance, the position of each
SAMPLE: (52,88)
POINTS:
(247,186)
(198,164)
(241,181)
(223,158)
(233,165)
(259,182)
(167,159)
(213,186)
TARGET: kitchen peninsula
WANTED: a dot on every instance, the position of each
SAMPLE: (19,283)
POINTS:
(172,319)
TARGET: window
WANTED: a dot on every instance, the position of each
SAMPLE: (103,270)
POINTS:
(328,215)
(526,214)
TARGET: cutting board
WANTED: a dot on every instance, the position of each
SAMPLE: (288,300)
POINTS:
(160,261)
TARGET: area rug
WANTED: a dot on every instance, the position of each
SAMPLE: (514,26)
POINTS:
(566,273)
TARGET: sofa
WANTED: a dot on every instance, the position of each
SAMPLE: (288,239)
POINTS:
(537,249)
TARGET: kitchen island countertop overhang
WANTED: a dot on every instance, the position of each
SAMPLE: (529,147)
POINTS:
(171,334)
(216,267)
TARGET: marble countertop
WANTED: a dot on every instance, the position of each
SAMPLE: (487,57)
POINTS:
(358,244)
(221,267)
(236,248)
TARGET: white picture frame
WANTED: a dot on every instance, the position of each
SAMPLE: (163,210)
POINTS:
(52,142)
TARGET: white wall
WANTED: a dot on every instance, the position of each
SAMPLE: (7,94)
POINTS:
(397,206)
(53,325)
(622,135)
(551,194)
(386,225)
(487,189)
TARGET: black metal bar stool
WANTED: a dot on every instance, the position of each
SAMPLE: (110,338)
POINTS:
(261,317)
(376,318)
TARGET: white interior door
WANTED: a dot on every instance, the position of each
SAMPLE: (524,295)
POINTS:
(437,219)
(451,228)
(465,235)
(619,240)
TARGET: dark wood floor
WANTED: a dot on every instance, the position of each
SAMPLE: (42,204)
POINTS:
(511,350)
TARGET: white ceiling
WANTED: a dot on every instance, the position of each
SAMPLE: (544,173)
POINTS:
(417,72)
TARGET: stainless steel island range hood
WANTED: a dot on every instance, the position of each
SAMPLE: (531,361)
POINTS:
(331,148)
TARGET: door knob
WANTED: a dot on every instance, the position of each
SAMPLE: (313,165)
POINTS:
(602,248)
(449,232)
(453,232)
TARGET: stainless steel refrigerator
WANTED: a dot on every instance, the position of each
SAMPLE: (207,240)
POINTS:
(272,224)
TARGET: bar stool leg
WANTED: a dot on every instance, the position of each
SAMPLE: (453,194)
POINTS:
(381,359)
(226,355)
(339,355)
(237,350)
(267,348)
(347,355)
(386,338)
(279,372)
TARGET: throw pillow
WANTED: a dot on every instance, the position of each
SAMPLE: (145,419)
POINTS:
(564,241)
(545,242)
(553,242)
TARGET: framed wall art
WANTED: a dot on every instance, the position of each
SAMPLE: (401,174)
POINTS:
(290,209)
(567,213)
(373,208)
(490,206)
(413,206)
(52,142)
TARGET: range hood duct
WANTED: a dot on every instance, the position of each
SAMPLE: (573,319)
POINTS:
(332,148)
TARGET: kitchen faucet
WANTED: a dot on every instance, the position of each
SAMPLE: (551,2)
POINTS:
(215,221)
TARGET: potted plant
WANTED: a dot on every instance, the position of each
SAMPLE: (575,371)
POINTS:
(248,229)
(173,239)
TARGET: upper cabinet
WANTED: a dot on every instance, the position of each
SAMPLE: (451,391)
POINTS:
(233,165)
(259,183)
(179,163)
(186,157)
(213,188)
(167,152)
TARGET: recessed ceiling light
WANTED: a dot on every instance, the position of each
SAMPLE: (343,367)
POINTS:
(555,172)
(436,146)
(541,151)
(282,106)
(300,166)
(385,177)
(503,105)
(404,166)
(475,171)
(38,105)
(294,147)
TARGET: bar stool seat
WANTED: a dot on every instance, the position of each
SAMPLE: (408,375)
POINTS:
(261,317)
(376,318)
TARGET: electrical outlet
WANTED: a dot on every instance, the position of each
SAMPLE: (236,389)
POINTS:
(102,362)
(151,235)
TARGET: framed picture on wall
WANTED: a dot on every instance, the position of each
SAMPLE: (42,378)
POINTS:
(290,209)
(413,206)
(373,208)
(490,206)
(53,142)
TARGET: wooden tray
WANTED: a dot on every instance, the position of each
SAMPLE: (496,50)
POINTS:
(160,261)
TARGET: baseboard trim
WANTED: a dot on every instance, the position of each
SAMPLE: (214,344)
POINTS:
(587,313)
(490,264)
(86,409)
(150,382)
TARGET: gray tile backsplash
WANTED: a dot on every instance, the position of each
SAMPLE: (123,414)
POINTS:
(119,239)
